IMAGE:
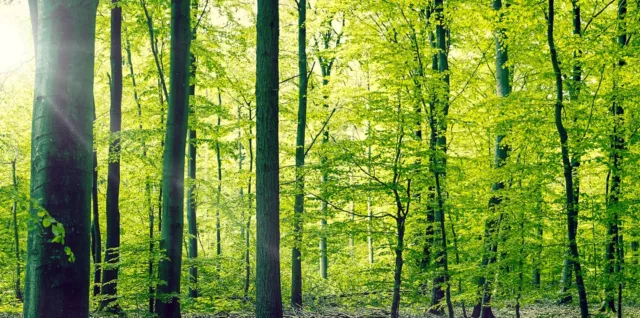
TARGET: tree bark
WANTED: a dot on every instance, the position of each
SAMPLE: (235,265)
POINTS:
(399,262)
(617,148)
(247,242)
(112,248)
(298,209)
(219,193)
(14,212)
(57,285)
(572,212)
(191,172)
(438,124)
(168,303)
(191,210)
(96,240)
(268,292)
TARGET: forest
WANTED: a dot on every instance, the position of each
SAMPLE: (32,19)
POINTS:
(305,158)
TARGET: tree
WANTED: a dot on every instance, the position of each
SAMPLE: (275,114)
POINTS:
(57,281)
(614,254)
(96,240)
(168,304)
(268,293)
(571,208)
(439,109)
(192,219)
(501,152)
(112,248)
(298,222)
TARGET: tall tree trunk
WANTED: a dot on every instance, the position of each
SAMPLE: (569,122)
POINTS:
(617,147)
(57,283)
(14,212)
(427,249)
(112,249)
(96,240)
(298,208)
(572,212)
(574,92)
(191,172)
(173,162)
(439,111)
(483,306)
(268,293)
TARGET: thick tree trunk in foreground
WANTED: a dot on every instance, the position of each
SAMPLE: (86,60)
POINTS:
(268,292)
(483,306)
(57,283)
(173,163)
(572,212)
(112,248)
(298,209)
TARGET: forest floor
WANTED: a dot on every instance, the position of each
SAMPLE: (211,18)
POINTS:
(531,311)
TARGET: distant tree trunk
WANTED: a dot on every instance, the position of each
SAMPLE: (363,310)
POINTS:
(574,90)
(268,293)
(191,172)
(112,250)
(438,124)
(14,212)
(536,265)
(96,240)
(324,261)
(399,261)
(173,163)
(147,182)
(219,193)
(572,212)
(483,306)
(191,211)
(369,202)
(298,209)
(612,255)
(427,249)
(247,242)
(61,163)
(352,208)
(326,66)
